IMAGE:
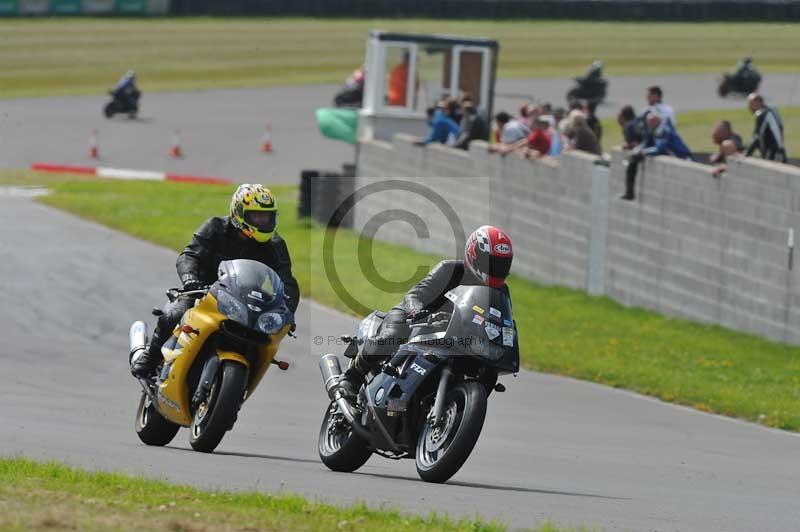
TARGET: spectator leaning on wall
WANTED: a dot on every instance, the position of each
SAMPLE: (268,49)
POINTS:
(660,139)
(768,130)
(579,135)
(632,127)
(723,135)
(473,125)
(442,128)
(509,130)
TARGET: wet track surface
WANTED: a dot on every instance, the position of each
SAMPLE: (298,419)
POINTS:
(221,129)
(551,448)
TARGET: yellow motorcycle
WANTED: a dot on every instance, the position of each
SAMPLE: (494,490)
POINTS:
(216,357)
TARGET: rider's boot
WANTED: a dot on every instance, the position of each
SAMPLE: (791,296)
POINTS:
(147,362)
(353,378)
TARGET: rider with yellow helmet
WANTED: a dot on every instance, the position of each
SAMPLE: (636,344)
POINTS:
(248,232)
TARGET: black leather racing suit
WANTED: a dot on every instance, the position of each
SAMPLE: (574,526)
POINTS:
(428,294)
(215,241)
(768,135)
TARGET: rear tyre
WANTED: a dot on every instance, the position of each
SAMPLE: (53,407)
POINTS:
(151,427)
(442,451)
(339,448)
(217,414)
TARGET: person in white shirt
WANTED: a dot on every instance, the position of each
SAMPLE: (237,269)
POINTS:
(656,104)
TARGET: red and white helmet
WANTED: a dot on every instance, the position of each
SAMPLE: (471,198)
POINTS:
(488,255)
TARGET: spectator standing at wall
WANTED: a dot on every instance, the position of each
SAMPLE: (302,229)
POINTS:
(509,130)
(655,101)
(660,139)
(539,139)
(632,127)
(768,130)
(442,128)
(593,122)
(723,132)
(556,142)
(579,135)
(473,125)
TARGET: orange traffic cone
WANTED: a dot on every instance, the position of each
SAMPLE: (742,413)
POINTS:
(94,150)
(175,150)
(266,140)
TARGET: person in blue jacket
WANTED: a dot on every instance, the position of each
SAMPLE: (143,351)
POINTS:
(443,129)
(660,138)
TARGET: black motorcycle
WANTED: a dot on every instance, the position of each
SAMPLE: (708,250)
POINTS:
(428,401)
(743,81)
(124,101)
(591,87)
(352,92)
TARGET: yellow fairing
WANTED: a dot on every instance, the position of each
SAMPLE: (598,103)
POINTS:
(173,394)
(205,319)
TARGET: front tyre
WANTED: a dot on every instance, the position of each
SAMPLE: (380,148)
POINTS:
(339,448)
(217,414)
(151,427)
(441,451)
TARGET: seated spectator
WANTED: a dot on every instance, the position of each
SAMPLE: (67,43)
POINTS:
(443,129)
(660,138)
(509,130)
(632,127)
(452,108)
(768,130)
(473,125)
(579,135)
(722,132)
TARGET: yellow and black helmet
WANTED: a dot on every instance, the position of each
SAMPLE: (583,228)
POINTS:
(254,211)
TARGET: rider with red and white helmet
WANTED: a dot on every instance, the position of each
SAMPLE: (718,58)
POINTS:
(487,261)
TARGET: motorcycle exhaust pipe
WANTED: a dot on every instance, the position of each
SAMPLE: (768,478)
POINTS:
(331,373)
(138,340)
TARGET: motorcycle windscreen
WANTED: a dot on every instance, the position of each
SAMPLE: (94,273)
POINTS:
(247,290)
(483,325)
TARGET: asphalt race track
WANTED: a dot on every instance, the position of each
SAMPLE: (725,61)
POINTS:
(221,129)
(552,448)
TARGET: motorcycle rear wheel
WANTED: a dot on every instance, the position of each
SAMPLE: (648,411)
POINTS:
(341,451)
(151,427)
(441,451)
(217,414)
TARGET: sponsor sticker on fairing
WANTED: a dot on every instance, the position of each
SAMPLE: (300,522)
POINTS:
(477,319)
(451,296)
(494,312)
(492,330)
(508,336)
(478,309)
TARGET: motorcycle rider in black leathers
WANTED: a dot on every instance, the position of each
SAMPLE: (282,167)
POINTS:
(487,261)
(248,233)
(768,130)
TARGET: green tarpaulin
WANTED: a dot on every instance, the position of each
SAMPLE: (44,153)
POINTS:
(338,124)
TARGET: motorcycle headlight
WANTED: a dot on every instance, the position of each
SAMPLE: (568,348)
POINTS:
(270,322)
(231,307)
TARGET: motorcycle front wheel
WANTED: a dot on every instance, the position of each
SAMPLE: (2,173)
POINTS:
(339,448)
(151,427)
(216,415)
(442,450)
(109,109)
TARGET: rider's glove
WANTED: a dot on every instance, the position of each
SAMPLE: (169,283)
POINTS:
(418,314)
(190,283)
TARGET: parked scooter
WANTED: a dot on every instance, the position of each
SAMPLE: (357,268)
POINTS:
(592,87)
(744,80)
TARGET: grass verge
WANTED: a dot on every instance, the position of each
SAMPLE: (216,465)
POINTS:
(695,128)
(82,55)
(561,330)
(51,496)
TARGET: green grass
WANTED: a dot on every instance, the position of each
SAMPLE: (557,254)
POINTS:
(561,331)
(48,496)
(695,127)
(79,56)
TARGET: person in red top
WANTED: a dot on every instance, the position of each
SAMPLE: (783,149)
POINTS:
(398,83)
(539,139)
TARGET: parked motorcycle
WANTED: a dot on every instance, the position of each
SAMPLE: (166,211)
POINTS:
(591,87)
(216,357)
(123,101)
(743,81)
(428,401)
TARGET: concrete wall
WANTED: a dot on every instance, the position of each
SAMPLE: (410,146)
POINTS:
(711,250)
